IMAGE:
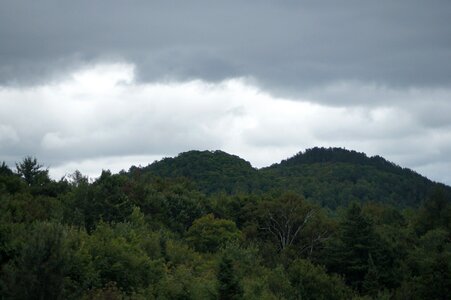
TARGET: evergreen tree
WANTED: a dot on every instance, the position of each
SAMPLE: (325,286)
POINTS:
(229,284)
(371,283)
(440,277)
(357,242)
(31,171)
(38,272)
(434,213)
(5,170)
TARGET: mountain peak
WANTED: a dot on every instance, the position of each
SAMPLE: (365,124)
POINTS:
(213,171)
(330,176)
(337,155)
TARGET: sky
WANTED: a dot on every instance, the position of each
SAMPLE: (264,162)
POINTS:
(92,85)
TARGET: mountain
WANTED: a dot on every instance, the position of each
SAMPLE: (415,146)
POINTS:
(137,235)
(336,176)
(211,171)
(331,177)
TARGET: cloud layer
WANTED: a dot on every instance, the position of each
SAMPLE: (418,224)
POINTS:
(286,46)
(106,84)
(102,117)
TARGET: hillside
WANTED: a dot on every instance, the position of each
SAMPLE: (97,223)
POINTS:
(211,171)
(206,225)
(335,176)
(329,176)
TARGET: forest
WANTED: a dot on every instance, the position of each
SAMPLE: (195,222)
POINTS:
(327,223)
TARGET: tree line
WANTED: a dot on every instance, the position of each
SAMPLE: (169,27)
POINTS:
(139,235)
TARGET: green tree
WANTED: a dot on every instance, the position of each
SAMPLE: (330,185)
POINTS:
(434,213)
(5,170)
(79,207)
(106,199)
(9,182)
(208,234)
(229,284)
(437,284)
(168,202)
(371,282)
(38,271)
(312,282)
(286,218)
(118,256)
(279,284)
(430,265)
(31,171)
(350,253)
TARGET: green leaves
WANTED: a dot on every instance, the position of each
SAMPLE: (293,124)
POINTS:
(312,282)
(229,285)
(37,272)
(134,235)
(31,171)
(208,234)
(118,256)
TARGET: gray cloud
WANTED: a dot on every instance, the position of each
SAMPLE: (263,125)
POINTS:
(102,118)
(285,46)
(371,76)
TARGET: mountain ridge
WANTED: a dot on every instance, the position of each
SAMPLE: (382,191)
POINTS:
(329,176)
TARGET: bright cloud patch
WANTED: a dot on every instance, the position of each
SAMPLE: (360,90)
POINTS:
(100,117)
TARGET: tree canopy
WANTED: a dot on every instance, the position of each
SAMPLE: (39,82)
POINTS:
(325,224)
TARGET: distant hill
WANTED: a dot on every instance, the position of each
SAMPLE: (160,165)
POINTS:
(336,176)
(212,171)
(329,176)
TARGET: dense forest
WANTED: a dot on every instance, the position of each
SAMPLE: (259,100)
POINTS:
(323,224)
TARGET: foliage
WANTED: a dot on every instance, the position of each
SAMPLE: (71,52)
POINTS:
(331,177)
(325,224)
(31,171)
(229,285)
(212,171)
(335,177)
(208,234)
(37,272)
(312,282)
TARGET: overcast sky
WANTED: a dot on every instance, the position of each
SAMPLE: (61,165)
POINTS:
(94,85)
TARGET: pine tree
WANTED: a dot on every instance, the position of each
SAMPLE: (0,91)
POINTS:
(31,171)
(438,281)
(357,243)
(229,285)
(370,285)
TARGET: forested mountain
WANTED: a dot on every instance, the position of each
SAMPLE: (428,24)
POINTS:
(335,176)
(211,171)
(330,176)
(206,225)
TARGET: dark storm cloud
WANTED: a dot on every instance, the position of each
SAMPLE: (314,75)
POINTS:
(286,46)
